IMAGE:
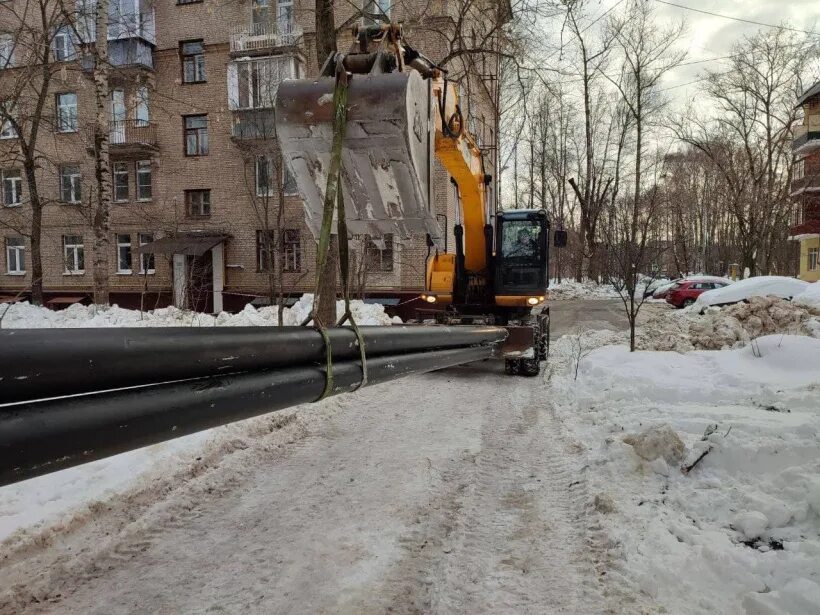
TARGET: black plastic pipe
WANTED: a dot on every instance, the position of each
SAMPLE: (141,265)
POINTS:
(41,363)
(41,437)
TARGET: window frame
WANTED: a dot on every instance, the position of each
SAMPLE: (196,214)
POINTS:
(146,257)
(197,132)
(142,106)
(261,252)
(74,118)
(67,48)
(9,61)
(295,246)
(815,252)
(371,249)
(7,129)
(73,185)
(202,192)
(20,255)
(78,254)
(127,246)
(198,65)
(116,175)
(139,186)
(18,191)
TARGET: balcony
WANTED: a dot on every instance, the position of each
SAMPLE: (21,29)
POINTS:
(809,184)
(132,136)
(131,53)
(264,37)
(252,125)
(807,136)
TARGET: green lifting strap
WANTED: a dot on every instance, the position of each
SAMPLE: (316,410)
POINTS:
(344,264)
(340,96)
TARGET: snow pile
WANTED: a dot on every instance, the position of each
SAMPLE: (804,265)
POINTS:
(761,286)
(740,532)
(588,289)
(726,327)
(27,316)
(810,298)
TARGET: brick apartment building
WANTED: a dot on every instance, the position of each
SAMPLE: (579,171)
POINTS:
(806,185)
(191,95)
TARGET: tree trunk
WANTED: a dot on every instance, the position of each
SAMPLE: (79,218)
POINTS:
(325,45)
(102,162)
(36,232)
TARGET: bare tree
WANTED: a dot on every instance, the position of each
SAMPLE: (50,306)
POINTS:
(748,138)
(25,88)
(647,53)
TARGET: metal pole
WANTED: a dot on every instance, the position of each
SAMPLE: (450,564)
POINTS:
(41,363)
(41,437)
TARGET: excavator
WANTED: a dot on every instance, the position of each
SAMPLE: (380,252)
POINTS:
(402,113)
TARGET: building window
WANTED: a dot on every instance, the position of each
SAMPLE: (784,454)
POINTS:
(12,188)
(67,112)
(193,61)
(813,255)
(123,253)
(63,45)
(143,180)
(15,255)
(198,203)
(73,254)
(265,177)
(7,130)
(378,259)
(284,16)
(290,182)
(70,184)
(265,244)
(147,265)
(799,170)
(196,135)
(291,250)
(260,12)
(253,84)
(6,50)
(376,11)
(142,113)
(120,181)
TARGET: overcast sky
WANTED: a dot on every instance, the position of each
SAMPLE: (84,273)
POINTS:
(711,37)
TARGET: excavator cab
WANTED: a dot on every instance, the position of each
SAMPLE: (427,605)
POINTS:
(522,253)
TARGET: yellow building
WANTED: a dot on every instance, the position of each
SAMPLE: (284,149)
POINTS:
(805,189)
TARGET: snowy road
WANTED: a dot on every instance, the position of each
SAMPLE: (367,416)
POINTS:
(457,491)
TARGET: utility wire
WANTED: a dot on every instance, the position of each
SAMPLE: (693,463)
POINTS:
(756,23)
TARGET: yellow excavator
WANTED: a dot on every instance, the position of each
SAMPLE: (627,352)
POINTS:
(402,111)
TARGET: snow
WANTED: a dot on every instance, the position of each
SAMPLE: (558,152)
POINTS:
(810,297)
(588,289)
(740,532)
(578,479)
(56,498)
(761,286)
(49,499)
(26,316)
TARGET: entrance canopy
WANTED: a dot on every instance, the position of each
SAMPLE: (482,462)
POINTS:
(190,244)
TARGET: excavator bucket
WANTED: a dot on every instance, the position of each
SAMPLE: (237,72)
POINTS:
(387,152)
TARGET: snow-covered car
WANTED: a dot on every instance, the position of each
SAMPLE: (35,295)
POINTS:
(761,286)
(661,291)
(653,285)
(810,297)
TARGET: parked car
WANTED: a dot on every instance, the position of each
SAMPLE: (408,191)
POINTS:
(662,290)
(760,286)
(652,287)
(685,292)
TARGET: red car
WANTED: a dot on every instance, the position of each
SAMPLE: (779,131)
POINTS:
(684,293)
